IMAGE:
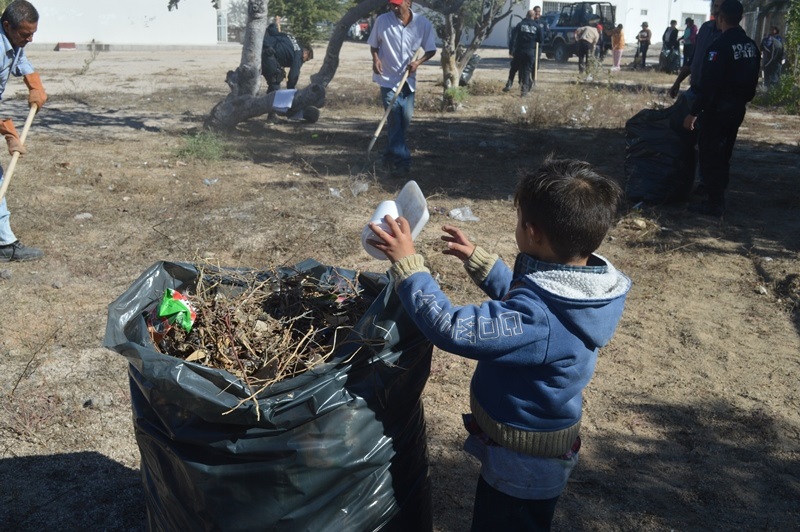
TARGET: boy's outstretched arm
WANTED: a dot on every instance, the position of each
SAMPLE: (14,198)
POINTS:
(458,245)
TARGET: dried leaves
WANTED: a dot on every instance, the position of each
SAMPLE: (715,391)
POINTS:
(265,329)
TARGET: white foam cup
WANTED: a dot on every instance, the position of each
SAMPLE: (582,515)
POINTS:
(384,208)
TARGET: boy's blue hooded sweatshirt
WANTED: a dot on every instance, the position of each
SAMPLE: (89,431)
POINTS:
(536,341)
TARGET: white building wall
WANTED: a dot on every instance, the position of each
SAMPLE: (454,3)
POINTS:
(126,22)
(658,13)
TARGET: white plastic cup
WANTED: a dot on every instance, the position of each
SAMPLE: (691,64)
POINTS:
(384,208)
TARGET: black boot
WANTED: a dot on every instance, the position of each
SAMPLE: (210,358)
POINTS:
(18,253)
(507,88)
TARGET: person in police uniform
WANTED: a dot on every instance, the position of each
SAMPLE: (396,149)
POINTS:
(729,80)
(528,33)
(280,51)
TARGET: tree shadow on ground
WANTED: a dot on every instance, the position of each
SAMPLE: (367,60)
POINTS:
(762,216)
(78,122)
(73,491)
(631,482)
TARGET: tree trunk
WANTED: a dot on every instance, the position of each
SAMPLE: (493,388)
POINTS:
(450,71)
(242,103)
(331,61)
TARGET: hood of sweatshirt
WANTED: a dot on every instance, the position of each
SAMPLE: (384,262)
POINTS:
(589,303)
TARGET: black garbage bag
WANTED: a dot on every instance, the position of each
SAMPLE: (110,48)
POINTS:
(469,70)
(669,60)
(339,447)
(660,156)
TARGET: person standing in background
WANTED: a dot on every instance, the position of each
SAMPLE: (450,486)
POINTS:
(19,22)
(689,38)
(394,41)
(772,57)
(643,39)
(586,37)
(706,35)
(670,38)
(617,46)
(527,37)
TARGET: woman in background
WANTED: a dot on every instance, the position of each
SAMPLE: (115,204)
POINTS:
(617,46)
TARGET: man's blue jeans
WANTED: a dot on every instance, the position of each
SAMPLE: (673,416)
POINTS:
(397,153)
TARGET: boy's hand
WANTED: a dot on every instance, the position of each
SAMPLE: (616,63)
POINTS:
(397,243)
(458,244)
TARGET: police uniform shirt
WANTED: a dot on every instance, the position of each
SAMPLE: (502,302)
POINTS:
(730,71)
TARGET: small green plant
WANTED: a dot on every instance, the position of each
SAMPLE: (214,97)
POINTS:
(454,97)
(205,146)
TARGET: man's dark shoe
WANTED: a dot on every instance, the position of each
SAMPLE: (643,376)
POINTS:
(508,86)
(18,253)
(272,118)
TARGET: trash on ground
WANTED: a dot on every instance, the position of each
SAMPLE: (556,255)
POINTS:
(359,187)
(463,214)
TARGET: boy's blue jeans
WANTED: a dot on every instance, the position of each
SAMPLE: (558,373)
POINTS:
(494,510)
(397,153)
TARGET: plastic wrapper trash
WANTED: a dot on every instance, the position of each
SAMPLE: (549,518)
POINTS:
(463,214)
(659,155)
(339,447)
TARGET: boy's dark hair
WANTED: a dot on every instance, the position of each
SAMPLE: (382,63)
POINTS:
(19,11)
(309,51)
(732,11)
(571,203)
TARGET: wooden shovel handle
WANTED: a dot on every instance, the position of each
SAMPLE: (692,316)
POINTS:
(14,158)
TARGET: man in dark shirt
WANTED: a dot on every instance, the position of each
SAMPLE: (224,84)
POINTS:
(279,51)
(526,36)
(707,34)
(729,80)
(515,67)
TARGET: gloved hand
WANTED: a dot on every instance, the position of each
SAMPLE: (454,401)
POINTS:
(36,95)
(8,130)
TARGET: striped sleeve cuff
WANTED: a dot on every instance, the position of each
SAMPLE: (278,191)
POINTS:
(479,264)
(407,266)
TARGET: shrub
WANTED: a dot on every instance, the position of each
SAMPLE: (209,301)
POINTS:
(784,94)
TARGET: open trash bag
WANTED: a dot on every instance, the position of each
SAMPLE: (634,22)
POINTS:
(339,447)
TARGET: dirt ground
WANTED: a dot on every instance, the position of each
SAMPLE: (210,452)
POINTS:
(692,421)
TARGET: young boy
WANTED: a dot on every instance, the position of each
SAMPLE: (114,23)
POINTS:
(535,341)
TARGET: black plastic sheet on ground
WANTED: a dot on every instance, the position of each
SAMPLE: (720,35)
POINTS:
(660,157)
(339,447)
